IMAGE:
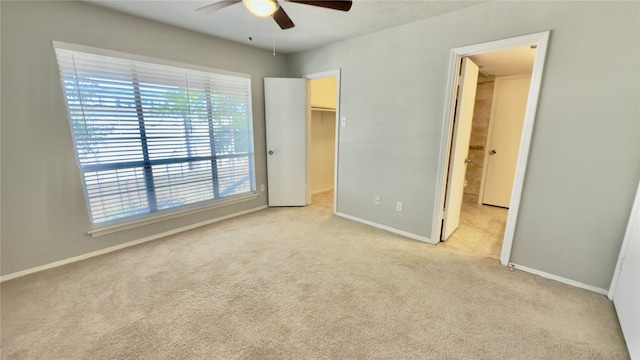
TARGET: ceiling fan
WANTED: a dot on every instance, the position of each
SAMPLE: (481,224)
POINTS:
(264,8)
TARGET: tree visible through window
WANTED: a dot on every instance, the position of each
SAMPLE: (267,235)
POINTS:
(152,137)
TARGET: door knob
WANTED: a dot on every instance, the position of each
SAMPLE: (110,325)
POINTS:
(492,152)
(270,152)
(466,161)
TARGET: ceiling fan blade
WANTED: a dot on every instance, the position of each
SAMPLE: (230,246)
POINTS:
(217,6)
(283,20)
(343,5)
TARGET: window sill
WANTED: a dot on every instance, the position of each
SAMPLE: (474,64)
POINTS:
(166,215)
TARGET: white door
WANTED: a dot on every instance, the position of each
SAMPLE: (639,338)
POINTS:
(285,115)
(460,146)
(509,105)
(625,287)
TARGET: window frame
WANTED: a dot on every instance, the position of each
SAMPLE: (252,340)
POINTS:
(155,215)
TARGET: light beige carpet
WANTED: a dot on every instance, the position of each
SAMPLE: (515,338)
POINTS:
(300,283)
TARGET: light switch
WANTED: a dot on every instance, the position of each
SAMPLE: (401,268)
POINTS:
(343,121)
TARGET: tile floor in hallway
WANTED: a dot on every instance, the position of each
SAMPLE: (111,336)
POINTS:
(324,199)
(481,228)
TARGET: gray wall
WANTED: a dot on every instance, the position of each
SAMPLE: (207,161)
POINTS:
(584,160)
(44,216)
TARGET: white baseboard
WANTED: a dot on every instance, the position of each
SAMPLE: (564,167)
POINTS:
(559,279)
(387,228)
(122,246)
(322,190)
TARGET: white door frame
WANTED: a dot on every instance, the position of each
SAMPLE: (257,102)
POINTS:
(324,74)
(540,40)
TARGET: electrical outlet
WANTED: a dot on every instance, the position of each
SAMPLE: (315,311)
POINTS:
(399,206)
(262,187)
(377,200)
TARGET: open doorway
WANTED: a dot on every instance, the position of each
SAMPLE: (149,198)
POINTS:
(454,207)
(322,131)
(500,102)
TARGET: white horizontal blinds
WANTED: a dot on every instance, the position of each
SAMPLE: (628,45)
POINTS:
(231,122)
(177,134)
(151,137)
(102,110)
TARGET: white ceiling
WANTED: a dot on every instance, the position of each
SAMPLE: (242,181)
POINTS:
(315,26)
(516,61)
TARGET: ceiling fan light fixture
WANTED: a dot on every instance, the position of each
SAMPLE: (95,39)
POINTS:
(261,8)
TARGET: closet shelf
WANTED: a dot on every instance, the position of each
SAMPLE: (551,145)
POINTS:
(319,108)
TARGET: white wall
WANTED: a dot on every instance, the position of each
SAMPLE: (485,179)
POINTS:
(585,154)
(44,216)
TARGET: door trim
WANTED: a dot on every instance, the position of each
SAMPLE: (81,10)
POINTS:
(540,40)
(319,75)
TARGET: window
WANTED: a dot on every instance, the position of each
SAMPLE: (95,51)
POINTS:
(151,137)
